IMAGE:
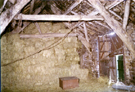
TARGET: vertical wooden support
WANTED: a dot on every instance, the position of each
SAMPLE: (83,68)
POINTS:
(99,56)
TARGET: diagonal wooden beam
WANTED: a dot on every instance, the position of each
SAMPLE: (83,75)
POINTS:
(102,45)
(114,24)
(57,17)
(126,14)
(73,6)
(8,15)
(115,14)
(85,43)
(31,6)
(1,9)
(85,32)
(115,3)
(37,25)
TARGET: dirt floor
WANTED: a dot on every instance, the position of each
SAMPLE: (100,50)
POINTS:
(84,86)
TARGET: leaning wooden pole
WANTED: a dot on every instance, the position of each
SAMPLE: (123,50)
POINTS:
(114,24)
(8,15)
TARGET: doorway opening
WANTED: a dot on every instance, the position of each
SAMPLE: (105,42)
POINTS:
(120,68)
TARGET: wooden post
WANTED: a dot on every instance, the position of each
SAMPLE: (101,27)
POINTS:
(9,14)
(126,14)
(99,56)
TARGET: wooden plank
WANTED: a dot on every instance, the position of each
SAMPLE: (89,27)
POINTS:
(126,14)
(73,6)
(1,9)
(57,17)
(116,2)
(85,32)
(115,25)
(85,43)
(47,35)
(37,25)
(102,54)
(8,15)
(115,14)
(102,46)
(99,56)
(31,6)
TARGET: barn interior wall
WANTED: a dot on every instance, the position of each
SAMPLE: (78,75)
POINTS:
(129,65)
(43,68)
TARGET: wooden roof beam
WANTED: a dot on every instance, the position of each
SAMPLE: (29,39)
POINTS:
(126,14)
(85,32)
(57,17)
(47,35)
(8,15)
(73,6)
(115,3)
(114,24)
(32,6)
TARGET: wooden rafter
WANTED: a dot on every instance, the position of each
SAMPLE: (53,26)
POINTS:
(115,14)
(47,35)
(8,15)
(126,14)
(115,3)
(85,43)
(102,45)
(1,9)
(25,24)
(94,28)
(31,6)
(57,17)
(114,24)
(37,25)
(97,22)
(85,32)
(73,6)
